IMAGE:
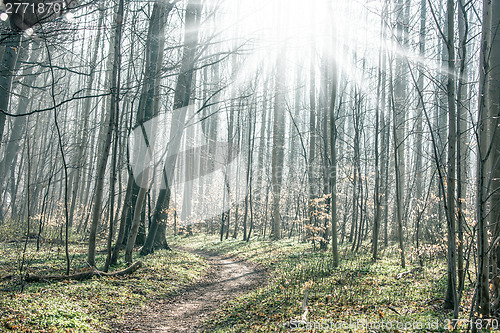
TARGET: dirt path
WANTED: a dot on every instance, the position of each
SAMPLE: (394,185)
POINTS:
(186,312)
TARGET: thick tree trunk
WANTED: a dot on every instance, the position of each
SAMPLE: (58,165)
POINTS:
(181,100)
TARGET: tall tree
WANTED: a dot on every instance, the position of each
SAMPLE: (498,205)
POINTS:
(488,158)
(113,109)
(182,97)
(462,139)
(7,66)
(333,165)
(278,143)
(419,172)
(312,142)
(399,112)
(451,301)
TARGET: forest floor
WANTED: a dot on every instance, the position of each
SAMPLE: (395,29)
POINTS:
(99,304)
(357,296)
(230,286)
(186,312)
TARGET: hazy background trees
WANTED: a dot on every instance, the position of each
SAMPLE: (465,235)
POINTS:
(359,125)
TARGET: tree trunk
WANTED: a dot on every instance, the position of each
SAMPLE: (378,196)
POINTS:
(333,167)
(101,169)
(451,301)
(312,146)
(488,195)
(397,172)
(182,96)
(278,145)
(462,141)
(9,59)
(419,179)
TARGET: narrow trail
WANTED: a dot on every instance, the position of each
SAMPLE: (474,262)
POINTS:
(186,312)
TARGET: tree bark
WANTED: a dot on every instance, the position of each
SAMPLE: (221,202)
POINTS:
(101,169)
(451,301)
(182,97)
(278,145)
(7,66)
(488,195)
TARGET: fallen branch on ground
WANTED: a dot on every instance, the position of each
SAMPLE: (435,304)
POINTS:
(84,275)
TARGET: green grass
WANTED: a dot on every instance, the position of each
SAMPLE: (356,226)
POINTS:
(357,290)
(86,306)
(265,252)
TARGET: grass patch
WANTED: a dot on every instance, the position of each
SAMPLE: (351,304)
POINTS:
(86,306)
(358,289)
(263,252)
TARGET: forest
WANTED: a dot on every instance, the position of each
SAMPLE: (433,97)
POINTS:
(249,166)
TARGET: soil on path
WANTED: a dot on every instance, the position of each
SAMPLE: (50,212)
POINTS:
(186,312)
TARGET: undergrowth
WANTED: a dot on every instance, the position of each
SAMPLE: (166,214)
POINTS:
(94,305)
(357,292)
